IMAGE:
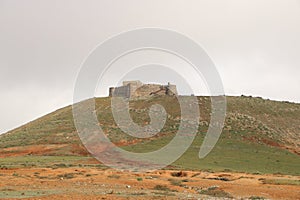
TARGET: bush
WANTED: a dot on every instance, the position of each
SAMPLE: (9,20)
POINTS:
(113,176)
(179,174)
(66,176)
(175,182)
(215,192)
(256,198)
(162,187)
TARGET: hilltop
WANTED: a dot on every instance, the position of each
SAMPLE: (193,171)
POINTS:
(259,135)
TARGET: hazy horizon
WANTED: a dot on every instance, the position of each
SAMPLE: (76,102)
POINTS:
(254,44)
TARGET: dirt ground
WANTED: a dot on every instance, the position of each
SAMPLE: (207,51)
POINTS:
(94,183)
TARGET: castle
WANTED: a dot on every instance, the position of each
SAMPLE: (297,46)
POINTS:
(136,89)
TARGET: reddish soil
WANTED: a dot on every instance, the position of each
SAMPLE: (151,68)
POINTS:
(292,149)
(49,149)
(28,150)
(93,183)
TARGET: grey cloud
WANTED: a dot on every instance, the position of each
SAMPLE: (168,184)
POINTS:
(255,45)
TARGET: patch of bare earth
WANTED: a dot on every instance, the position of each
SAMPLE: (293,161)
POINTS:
(93,183)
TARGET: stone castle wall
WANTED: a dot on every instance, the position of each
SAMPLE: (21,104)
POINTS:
(123,91)
(136,89)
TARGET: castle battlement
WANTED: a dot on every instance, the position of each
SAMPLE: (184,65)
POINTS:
(136,89)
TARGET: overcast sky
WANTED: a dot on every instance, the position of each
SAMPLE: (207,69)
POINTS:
(255,45)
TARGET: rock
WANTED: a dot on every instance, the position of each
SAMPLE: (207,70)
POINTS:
(110,192)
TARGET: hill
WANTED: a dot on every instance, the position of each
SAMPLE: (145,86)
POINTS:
(259,136)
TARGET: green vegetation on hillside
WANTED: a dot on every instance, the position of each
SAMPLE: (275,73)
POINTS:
(230,155)
(255,138)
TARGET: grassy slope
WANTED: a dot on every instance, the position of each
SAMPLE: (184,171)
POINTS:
(254,137)
(231,155)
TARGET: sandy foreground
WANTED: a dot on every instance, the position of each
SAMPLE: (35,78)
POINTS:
(93,183)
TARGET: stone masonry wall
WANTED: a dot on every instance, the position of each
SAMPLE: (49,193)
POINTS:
(137,89)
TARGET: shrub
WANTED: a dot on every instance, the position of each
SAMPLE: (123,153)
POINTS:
(162,187)
(61,165)
(175,182)
(66,176)
(179,174)
(113,176)
(215,192)
(256,198)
